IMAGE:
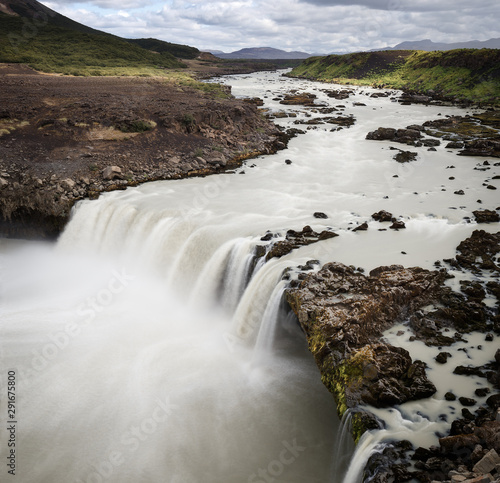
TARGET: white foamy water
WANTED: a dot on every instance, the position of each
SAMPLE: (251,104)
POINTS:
(143,349)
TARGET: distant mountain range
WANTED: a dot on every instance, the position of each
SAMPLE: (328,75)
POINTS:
(260,53)
(428,45)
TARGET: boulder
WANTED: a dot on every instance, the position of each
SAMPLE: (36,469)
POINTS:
(488,463)
(405,156)
(112,172)
(68,183)
(362,227)
(382,215)
(398,225)
(486,216)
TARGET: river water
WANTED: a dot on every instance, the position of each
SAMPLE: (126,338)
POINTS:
(143,351)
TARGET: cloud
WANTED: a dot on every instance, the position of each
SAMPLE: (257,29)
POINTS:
(316,26)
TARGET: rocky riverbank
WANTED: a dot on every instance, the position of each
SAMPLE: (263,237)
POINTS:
(66,138)
(344,314)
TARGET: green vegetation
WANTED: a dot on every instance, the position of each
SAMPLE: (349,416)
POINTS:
(136,126)
(159,46)
(48,47)
(463,74)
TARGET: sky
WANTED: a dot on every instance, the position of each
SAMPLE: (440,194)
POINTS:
(313,26)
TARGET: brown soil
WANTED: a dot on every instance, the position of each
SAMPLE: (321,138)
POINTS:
(54,128)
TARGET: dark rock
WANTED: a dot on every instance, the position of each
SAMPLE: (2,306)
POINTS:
(326,234)
(493,401)
(482,392)
(442,357)
(459,192)
(449,396)
(319,214)
(468,371)
(481,147)
(405,156)
(405,136)
(362,227)
(382,215)
(398,225)
(467,401)
(486,216)
(455,145)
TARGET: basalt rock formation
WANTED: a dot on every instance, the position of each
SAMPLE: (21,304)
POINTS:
(344,313)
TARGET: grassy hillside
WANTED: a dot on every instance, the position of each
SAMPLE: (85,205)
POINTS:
(160,46)
(468,74)
(58,49)
(46,45)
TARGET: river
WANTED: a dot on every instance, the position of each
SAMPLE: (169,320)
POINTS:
(145,347)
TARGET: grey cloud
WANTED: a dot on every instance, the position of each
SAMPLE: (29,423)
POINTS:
(405,5)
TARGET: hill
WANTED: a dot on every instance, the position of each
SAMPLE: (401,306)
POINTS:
(160,46)
(462,74)
(262,53)
(428,45)
(33,34)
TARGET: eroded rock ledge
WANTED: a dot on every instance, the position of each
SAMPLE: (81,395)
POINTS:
(59,137)
(344,314)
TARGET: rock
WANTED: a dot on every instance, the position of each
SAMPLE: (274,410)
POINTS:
(382,134)
(480,479)
(405,136)
(482,392)
(319,214)
(442,357)
(112,172)
(488,463)
(382,215)
(454,145)
(449,396)
(398,225)
(68,183)
(3,182)
(459,192)
(466,401)
(405,156)
(450,444)
(468,371)
(303,98)
(481,147)
(362,227)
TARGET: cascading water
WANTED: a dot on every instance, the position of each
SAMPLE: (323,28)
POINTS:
(149,347)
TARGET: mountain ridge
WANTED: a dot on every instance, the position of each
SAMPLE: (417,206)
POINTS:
(428,45)
(261,53)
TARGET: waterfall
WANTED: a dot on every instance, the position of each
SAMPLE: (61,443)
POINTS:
(151,346)
(149,336)
(366,447)
(344,446)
